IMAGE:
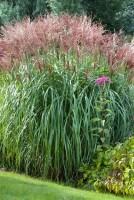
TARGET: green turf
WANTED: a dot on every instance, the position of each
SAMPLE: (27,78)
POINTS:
(19,187)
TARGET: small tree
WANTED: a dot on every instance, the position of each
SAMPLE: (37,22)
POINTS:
(71,6)
(104,11)
(11,10)
(126,16)
(7,13)
(41,8)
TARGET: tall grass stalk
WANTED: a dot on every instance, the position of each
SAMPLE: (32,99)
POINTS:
(46,125)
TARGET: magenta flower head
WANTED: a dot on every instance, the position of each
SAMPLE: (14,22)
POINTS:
(102,80)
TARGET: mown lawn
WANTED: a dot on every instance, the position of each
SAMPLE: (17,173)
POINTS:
(19,187)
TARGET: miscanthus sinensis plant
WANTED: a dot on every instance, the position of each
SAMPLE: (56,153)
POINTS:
(50,115)
(64,31)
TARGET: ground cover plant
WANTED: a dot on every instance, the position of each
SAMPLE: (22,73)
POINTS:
(14,186)
(66,88)
(112,170)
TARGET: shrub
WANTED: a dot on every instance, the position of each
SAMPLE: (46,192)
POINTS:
(105,11)
(126,16)
(7,13)
(54,114)
(112,170)
(16,10)
(70,6)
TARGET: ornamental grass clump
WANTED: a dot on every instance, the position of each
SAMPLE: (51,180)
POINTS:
(52,111)
(65,32)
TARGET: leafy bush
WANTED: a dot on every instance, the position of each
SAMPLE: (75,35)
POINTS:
(112,170)
(11,11)
(62,6)
(7,13)
(126,16)
(50,121)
